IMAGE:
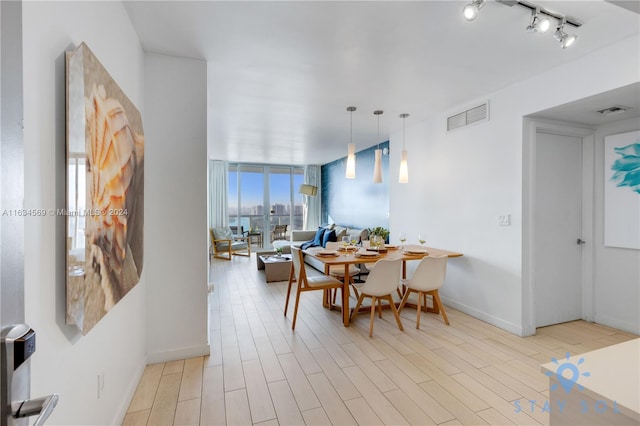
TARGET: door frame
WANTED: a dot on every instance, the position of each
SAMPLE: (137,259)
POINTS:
(531,127)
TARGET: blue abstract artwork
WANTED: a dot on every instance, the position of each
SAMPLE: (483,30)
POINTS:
(622,190)
(627,167)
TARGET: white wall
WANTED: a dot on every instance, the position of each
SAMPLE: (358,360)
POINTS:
(616,270)
(66,362)
(176,207)
(460,181)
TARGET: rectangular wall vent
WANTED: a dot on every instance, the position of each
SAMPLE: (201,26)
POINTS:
(472,115)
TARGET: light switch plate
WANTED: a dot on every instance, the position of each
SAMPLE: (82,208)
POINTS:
(504,220)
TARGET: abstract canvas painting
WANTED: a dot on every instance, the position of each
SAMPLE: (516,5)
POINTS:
(622,190)
(105,191)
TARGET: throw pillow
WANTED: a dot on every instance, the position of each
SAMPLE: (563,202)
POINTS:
(329,236)
(317,240)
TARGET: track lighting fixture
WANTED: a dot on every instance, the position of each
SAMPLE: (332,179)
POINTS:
(471,10)
(539,23)
(540,19)
(565,39)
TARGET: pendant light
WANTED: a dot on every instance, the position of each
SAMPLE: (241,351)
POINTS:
(351,152)
(404,170)
(377,167)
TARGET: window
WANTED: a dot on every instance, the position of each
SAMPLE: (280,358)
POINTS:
(252,187)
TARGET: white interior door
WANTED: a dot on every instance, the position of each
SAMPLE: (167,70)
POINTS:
(558,227)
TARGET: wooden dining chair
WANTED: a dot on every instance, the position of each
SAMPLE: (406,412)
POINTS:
(305,283)
(426,280)
(337,271)
(381,282)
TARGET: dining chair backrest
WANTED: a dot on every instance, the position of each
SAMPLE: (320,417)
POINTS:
(298,263)
(383,279)
(429,274)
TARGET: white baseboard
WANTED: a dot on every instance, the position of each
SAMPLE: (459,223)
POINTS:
(127,397)
(617,323)
(174,355)
(483,316)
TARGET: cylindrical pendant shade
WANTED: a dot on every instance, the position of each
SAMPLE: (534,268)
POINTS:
(404,169)
(351,162)
(377,167)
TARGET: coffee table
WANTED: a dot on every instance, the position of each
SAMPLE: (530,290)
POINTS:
(276,268)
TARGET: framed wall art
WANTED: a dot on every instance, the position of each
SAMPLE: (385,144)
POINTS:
(622,190)
(105,191)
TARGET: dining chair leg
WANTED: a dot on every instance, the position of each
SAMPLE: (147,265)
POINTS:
(355,290)
(355,310)
(404,299)
(395,312)
(438,302)
(373,314)
(420,298)
(286,303)
(295,310)
(379,308)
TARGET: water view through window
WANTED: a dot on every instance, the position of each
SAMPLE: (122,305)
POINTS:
(252,187)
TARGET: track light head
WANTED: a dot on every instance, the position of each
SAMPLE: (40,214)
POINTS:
(539,23)
(471,10)
(565,39)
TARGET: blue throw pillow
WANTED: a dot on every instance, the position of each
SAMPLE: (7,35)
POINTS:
(329,235)
(317,240)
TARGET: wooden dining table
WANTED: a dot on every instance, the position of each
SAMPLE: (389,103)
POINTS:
(346,258)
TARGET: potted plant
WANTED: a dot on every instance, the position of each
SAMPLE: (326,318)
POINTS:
(379,231)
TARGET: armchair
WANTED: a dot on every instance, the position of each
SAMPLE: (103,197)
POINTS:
(279,233)
(224,243)
(238,231)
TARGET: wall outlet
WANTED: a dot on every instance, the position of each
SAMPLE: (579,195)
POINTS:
(504,220)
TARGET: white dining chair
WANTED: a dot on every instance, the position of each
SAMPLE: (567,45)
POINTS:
(381,282)
(426,280)
(299,273)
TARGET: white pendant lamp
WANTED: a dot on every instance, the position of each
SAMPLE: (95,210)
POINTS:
(404,169)
(351,151)
(377,167)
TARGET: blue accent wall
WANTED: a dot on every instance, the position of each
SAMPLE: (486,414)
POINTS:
(356,203)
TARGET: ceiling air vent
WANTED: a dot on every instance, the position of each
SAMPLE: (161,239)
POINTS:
(472,115)
(612,110)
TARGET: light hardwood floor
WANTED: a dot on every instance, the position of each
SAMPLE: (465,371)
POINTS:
(261,372)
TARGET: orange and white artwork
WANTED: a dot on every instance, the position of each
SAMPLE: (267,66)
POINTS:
(105,191)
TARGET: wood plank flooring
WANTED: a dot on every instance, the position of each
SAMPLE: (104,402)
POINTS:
(261,372)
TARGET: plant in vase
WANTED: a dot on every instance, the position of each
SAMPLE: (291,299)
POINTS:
(381,233)
(279,251)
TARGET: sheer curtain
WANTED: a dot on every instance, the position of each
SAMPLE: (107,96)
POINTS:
(218,203)
(311,219)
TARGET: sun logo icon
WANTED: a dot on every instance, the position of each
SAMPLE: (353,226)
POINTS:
(567,383)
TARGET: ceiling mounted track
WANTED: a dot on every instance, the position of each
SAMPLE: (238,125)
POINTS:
(570,20)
